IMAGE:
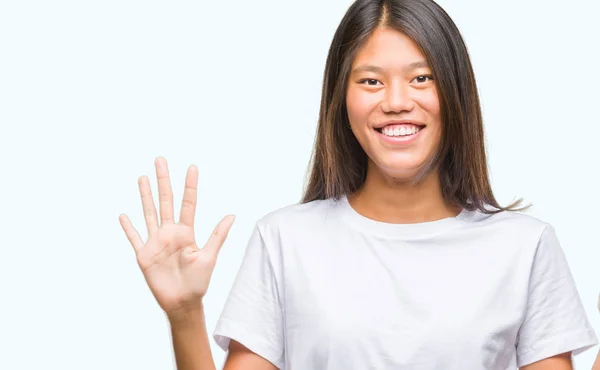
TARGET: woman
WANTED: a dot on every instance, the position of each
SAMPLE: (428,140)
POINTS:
(399,256)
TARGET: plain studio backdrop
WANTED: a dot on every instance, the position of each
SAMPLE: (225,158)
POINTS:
(91,92)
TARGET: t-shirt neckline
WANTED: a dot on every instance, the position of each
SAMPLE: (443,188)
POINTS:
(391,230)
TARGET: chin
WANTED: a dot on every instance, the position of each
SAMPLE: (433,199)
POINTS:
(401,171)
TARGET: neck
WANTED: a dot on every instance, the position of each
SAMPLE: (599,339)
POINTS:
(385,199)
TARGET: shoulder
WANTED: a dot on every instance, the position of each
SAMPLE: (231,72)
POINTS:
(514,225)
(295,229)
(515,219)
(300,216)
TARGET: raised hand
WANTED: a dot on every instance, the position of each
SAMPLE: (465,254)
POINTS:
(176,270)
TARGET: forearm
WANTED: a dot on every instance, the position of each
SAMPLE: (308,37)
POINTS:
(190,340)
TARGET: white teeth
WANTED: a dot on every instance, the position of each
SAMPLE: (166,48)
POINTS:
(400,131)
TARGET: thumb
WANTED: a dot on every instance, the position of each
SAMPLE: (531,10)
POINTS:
(219,234)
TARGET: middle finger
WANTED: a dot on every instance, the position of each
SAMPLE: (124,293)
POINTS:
(165,194)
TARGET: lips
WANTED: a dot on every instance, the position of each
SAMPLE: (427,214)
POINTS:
(380,129)
(400,140)
(380,126)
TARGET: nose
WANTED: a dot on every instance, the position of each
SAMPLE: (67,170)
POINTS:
(397,99)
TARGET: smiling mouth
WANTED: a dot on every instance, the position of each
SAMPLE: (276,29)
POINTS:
(400,130)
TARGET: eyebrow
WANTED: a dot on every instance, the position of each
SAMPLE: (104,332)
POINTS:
(376,69)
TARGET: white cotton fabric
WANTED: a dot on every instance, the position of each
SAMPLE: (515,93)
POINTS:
(323,287)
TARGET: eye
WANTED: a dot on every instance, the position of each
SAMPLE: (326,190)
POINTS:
(422,78)
(370,81)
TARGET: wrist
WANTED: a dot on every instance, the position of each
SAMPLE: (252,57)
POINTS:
(186,314)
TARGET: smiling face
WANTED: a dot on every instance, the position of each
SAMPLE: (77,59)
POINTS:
(393,105)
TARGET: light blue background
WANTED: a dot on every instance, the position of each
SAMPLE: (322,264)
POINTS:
(92,91)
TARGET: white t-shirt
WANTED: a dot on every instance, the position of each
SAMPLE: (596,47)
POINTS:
(323,287)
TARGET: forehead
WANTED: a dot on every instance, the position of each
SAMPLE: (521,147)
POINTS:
(388,47)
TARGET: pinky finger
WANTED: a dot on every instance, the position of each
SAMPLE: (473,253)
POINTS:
(131,232)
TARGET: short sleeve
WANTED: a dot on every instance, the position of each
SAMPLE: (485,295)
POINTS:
(555,320)
(252,314)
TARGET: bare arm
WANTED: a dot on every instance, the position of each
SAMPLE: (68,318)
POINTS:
(597,363)
(192,347)
(190,340)
(559,362)
(241,358)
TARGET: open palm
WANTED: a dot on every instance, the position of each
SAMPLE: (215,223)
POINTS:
(176,270)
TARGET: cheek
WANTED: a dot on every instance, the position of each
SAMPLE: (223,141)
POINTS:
(359,105)
(430,102)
